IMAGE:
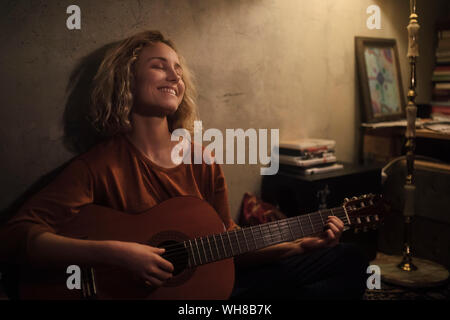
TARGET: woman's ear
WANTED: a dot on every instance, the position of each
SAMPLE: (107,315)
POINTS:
(133,83)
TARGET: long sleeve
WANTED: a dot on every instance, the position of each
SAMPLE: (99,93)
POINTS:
(47,209)
(220,197)
(116,175)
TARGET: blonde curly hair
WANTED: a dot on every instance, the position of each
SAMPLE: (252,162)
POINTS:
(112,98)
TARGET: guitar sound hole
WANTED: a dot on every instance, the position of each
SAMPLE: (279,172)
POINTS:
(177,254)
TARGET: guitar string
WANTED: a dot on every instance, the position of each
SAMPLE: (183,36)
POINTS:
(281,223)
(181,256)
(292,219)
(283,229)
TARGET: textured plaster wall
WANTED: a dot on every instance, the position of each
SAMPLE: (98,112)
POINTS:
(286,64)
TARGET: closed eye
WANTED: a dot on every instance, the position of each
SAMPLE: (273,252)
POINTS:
(158,67)
(178,69)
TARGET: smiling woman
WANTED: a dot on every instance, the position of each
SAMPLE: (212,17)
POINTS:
(147,56)
(159,87)
(126,205)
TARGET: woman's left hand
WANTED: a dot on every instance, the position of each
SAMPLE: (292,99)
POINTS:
(327,239)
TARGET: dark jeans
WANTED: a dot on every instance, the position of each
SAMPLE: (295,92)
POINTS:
(331,273)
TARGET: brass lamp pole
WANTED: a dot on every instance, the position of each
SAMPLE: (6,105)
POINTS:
(422,273)
(410,134)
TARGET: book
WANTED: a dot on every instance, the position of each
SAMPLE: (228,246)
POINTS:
(442,53)
(440,103)
(440,109)
(440,92)
(440,117)
(443,60)
(441,98)
(440,78)
(313,170)
(443,34)
(442,85)
(303,147)
(387,124)
(333,167)
(442,68)
(441,73)
(306,161)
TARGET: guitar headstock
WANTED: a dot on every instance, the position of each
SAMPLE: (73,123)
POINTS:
(365,212)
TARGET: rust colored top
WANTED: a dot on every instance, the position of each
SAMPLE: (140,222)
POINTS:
(116,174)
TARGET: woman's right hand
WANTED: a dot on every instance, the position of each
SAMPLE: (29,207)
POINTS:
(143,261)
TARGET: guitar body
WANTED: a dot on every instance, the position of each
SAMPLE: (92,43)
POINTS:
(172,221)
(195,241)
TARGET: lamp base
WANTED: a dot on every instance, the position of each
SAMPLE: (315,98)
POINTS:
(428,274)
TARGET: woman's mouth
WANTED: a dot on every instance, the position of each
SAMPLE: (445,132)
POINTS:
(168,91)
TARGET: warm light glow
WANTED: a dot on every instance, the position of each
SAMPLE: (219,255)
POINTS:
(412,6)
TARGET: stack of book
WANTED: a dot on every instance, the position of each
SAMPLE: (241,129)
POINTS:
(440,104)
(308,156)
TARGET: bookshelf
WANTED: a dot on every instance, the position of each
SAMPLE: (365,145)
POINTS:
(384,144)
(440,101)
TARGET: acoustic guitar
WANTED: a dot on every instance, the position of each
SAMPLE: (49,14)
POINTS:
(195,241)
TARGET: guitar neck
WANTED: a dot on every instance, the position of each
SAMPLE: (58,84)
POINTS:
(239,241)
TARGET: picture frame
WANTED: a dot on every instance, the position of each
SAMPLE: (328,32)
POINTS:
(380,79)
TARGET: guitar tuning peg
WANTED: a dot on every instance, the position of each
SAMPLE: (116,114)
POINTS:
(367,219)
(358,220)
(356,230)
(346,200)
(376,218)
(354,198)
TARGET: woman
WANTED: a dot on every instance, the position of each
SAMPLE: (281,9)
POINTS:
(142,92)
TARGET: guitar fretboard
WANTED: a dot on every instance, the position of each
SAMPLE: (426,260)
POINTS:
(236,242)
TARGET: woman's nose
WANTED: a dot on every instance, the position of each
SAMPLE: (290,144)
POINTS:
(172,75)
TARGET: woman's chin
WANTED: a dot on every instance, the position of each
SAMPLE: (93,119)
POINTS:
(167,107)
(171,110)
(156,111)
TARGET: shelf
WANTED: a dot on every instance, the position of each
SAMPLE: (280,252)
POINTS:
(399,131)
(384,144)
(425,133)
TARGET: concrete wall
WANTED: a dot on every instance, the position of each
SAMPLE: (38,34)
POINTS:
(286,64)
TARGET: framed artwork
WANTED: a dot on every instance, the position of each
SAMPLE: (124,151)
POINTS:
(380,79)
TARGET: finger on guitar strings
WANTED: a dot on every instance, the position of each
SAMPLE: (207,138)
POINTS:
(159,274)
(330,235)
(338,222)
(165,264)
(334,228)
(153,282)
